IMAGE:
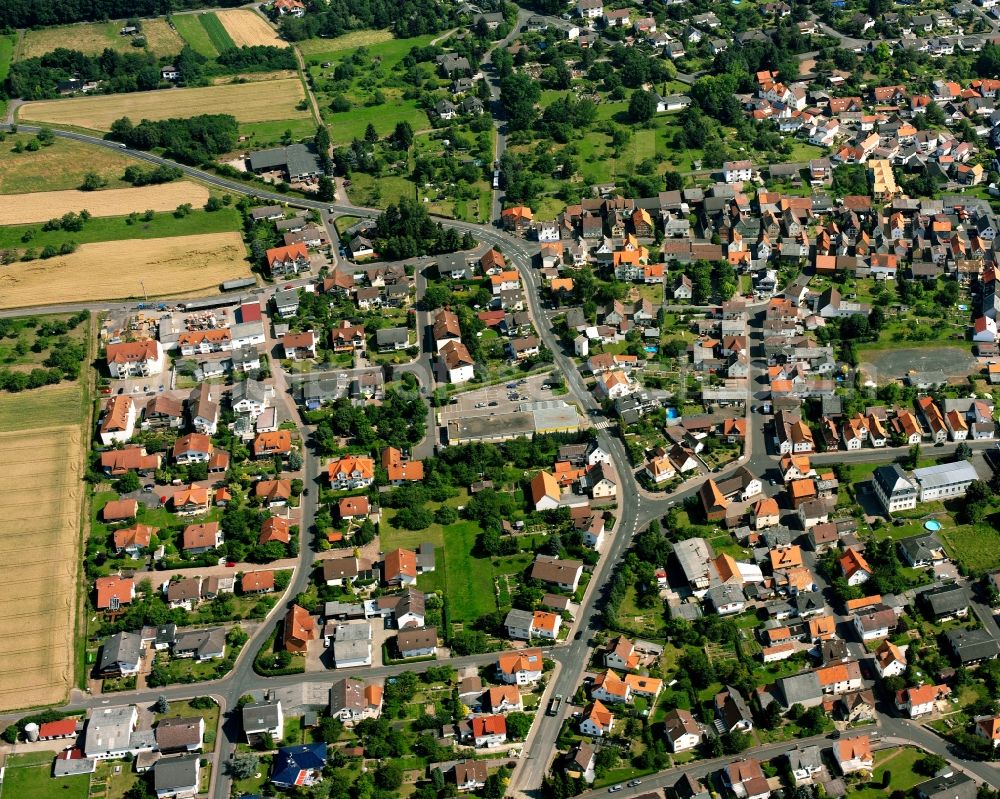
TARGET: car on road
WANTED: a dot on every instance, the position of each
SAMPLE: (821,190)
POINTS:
(230,564)
(493,404)
(480,404)
(148,488)
(615,788)
(511,385)
(634,783)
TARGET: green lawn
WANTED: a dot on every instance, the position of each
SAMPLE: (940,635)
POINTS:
(216,32)
(467,581)
(44,407)
(379,44)
(255,784)
(976,546)
(899,762)
(271,132)
(349,125)
(7,42)
(191,29)
(115,228)
(366,190)
(29,776)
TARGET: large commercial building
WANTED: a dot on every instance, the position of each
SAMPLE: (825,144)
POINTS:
(944,481)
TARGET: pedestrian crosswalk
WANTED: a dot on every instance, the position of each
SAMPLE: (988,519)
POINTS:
(604,424)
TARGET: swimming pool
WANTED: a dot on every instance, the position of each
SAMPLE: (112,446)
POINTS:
(932,525)
(652,349)
(673,413)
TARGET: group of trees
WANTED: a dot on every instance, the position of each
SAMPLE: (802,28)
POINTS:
(194,140)
(37,78)
(406,18)
(400,421)
(407,230)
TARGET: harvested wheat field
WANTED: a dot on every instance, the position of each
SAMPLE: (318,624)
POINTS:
(93,38)
(248,28)
(39,549)
(113,269)
(42,205)
(248,102)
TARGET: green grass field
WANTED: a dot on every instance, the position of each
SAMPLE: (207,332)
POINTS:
(466,581)
(7,43)
(192,31)
(976,546)
(16,348)
(349,125)
(378,43)
(899,762)
(60,166)
(217,34)
(114,228)
(50,406)
(265,133)
(30,775)
(369,191)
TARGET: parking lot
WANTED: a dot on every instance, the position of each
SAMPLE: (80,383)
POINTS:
(496,399)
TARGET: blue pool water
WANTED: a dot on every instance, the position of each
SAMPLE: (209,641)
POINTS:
(672,413)
(651,348)
(932,525)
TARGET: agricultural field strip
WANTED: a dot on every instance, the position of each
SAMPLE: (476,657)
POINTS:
(248,102)
(192,31)
(246,27)
(92,38)
(40,206)
(112,269)
(38,663)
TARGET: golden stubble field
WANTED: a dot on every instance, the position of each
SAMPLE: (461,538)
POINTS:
(248,28)
(249,102)
(41,507)
(113,269)
(21,209)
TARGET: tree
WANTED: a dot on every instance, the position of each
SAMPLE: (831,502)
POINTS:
(92,182)
(402,136)
(161,705)
(696,665)
(518,725)
(243,765)
(389,776)
(929,765)
(518,94)
(325,191)
(641,106)
(128,483)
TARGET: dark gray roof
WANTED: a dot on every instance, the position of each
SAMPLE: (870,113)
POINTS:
(203,643)
(296,159)
(391,335)
(972,645)
(946,600)
(955,785)
(801,688)
(175,772)
(121,648)
(259,716)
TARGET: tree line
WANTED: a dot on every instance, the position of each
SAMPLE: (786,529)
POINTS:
(407,18)
(191,141)
(38,78)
